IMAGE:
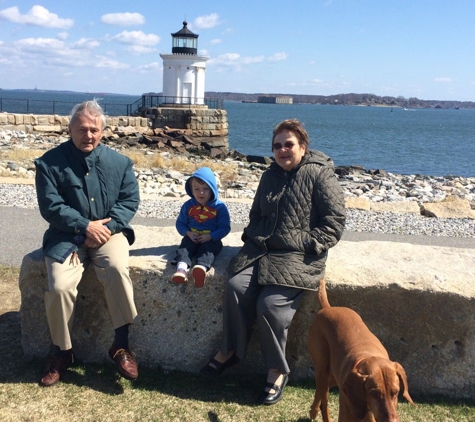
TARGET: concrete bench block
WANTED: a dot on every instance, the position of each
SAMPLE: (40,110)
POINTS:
(419,300)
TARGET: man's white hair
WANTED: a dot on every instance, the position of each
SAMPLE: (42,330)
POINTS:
(88,108)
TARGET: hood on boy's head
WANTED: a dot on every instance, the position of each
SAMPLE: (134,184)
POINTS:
(207,175)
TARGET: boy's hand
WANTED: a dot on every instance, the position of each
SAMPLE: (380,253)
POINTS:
(193,236)
(202,238)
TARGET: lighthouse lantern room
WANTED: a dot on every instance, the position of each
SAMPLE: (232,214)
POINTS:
(184,70)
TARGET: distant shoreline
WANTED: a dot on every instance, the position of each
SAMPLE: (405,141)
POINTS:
(63,91)
(360,99)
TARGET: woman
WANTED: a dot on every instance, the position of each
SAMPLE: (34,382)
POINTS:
(298,213)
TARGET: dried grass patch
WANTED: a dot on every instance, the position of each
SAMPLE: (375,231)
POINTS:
(227,171)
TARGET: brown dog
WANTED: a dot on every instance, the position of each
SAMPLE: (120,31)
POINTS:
(347,354)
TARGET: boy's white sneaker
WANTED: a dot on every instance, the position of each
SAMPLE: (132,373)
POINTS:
(199,274)
(180,277)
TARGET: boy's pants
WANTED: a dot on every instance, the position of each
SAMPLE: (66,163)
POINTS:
(205,252)
(112,269)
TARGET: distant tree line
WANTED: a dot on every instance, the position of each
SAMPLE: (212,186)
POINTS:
(350,99)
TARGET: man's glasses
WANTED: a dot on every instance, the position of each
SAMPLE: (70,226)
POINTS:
(287,145)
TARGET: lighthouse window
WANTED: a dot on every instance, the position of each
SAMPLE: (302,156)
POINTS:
(184,42)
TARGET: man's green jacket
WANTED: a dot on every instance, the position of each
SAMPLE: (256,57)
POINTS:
(74,188)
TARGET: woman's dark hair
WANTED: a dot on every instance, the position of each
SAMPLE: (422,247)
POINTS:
(294,126)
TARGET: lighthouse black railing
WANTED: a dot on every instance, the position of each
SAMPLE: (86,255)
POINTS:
(151,101)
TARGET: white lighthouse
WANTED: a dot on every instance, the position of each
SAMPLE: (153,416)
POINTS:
(184,70)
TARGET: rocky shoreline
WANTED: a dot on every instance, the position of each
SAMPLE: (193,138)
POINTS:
(377,201)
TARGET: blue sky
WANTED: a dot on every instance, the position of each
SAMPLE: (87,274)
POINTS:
(409,48)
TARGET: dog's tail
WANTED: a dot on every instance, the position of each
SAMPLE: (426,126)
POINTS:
(322,295)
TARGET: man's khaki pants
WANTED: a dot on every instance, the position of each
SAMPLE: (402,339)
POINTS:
(111,265)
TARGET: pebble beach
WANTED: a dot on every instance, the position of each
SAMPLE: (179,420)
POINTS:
(24,196)
(162,192)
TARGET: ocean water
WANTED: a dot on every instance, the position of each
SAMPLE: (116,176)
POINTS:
(433,142)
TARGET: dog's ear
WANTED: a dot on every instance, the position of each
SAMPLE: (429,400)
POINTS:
(353,386)
(404,389)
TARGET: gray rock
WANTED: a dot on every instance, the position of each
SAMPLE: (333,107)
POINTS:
(400,207)
(417,299)
(358,203)
(456,208)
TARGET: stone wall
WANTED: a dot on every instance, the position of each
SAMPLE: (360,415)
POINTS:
(210,122)
(418,299)
(54,123)
(204,126)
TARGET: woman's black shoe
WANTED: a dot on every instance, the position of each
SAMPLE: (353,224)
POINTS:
(217,369)
(272,398)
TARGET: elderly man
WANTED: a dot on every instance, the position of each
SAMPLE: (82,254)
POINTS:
(88,194)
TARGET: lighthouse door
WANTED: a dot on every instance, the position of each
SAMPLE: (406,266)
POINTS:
(186,93)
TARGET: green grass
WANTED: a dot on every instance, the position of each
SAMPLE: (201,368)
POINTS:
(92,392)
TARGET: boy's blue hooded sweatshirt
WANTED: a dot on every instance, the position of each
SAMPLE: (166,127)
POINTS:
(213,218)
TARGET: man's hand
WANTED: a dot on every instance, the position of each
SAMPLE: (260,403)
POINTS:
(91,243)
(97,233)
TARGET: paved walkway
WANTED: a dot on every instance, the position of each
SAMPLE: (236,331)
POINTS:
(21,232)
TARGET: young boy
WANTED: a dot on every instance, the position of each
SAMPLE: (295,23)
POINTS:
(203,221)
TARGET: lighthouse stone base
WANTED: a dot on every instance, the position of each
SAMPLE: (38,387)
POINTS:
(204,125)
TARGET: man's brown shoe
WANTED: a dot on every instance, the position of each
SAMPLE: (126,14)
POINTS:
(125,361)
(56,369)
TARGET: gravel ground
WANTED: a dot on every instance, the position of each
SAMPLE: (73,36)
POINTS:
(24,196)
